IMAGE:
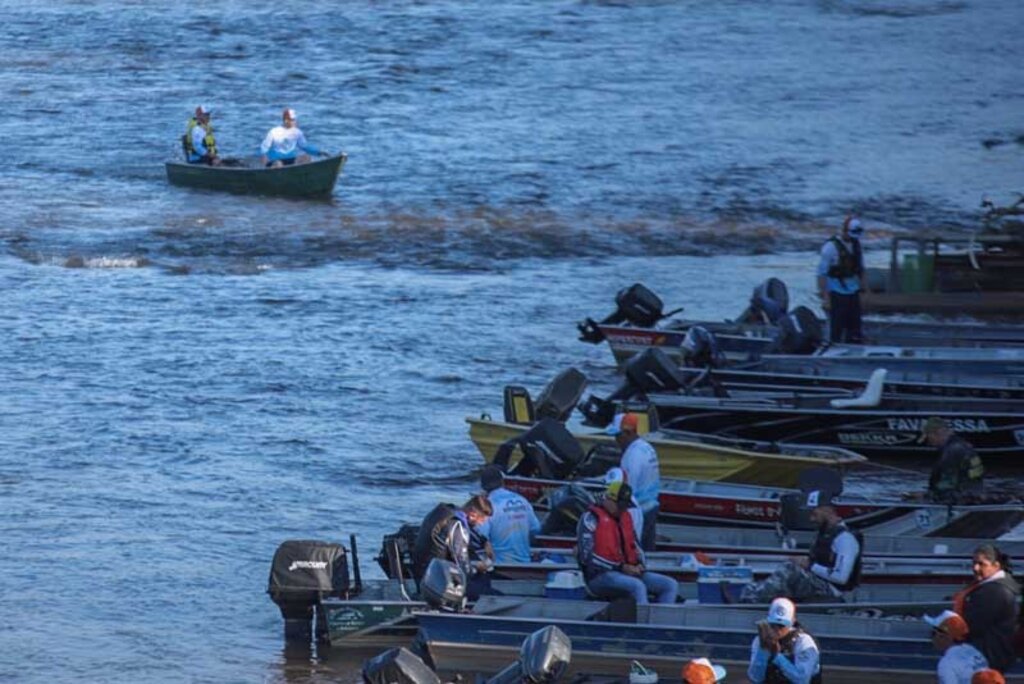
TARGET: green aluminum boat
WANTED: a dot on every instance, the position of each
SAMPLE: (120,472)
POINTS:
(312,179)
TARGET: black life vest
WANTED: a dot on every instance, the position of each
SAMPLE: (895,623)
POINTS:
(849,264)
(773,675)
(208,139)
(822,554)
(432,539)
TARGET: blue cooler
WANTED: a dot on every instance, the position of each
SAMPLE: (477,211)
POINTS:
(711,577)
(565,584)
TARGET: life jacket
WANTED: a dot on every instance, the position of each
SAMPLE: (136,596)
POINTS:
(773,675)
(849,264)
(208,139)
(432,538)
(950,478)
(822,554)
(615,540)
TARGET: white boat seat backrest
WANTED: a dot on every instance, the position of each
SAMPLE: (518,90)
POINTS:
(870,397)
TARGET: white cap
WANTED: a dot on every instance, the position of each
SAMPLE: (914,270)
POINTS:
(614,475)
(854,227)
(782,612)
(290,114)
(203,109)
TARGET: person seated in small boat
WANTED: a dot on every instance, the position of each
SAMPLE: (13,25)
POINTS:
(637,513)
(445,534)
(609,555)
(783,651)
(702,671)
(286,144)
(831,568)
(960,660)
(958,474)
(512,525)
(199,143)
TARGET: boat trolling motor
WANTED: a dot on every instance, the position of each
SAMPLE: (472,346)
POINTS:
(302,574)
(634,304)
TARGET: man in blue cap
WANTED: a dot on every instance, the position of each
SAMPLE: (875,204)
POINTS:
(841,280)
(831,567)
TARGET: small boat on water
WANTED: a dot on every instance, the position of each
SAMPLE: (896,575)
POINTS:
(312,179)
(694,455)
(690,503)
(606,637)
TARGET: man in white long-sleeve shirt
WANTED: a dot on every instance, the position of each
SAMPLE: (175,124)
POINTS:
(283,143)
(640,465)
(831,567)
(782,651)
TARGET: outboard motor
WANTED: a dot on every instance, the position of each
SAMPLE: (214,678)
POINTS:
(600,459)
(800,332)
(543,659)
(768,303)
(568,504)
(634,304)
(395,557)
(700,349)
(561,395)
(302,573)
(651,371)
(398,666)
(443,586)
(549,451)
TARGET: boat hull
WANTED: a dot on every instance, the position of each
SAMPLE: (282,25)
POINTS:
(313,179)
(682,459)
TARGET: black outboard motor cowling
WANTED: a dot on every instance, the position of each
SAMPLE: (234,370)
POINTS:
(800,332)
(568,504)
(700,349)
(559,398)
(769,302)
(398,666)
(635,304)
(302,573)
(649,371)
(396,550)
(550,451)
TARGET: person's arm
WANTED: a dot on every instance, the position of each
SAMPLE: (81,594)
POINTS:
(305,145)
(458,545)
(804,665)
(199,141)
(268,142)
(758,662)
(845,547)
(828,257)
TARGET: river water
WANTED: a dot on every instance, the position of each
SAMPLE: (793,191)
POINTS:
(191,378)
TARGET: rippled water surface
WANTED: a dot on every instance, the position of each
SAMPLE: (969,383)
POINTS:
(190,378)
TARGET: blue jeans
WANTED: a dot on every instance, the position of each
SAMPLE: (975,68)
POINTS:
(614,584)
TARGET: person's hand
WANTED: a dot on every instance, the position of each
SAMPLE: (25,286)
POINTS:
(634,570)
(768,637)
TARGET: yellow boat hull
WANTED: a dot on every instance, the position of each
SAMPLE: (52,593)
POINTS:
(678,459)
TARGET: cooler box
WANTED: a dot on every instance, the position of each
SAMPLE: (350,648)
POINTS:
(566,584)
(711,577)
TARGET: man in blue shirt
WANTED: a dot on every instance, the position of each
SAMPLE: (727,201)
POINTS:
(512,524)
(841,280)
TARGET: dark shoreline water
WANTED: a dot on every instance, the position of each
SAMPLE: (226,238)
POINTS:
(191,378)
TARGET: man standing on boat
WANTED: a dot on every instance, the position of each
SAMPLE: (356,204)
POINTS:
(199,143)
(958,473)
(445,534)
(512,524)
(830,569)
(841,280)
(960,660)
(283,143)
(612,562)
(782,651)
(640,464)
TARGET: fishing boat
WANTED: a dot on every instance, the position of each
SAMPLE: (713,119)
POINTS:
(690,503)
(312,179)
(694,455)
(879,426)
(950,275)
(607,636)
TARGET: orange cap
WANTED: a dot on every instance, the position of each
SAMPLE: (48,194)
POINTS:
(701,671)
(950,623)
(988,677)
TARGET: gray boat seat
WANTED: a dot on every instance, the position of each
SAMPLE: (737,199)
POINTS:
(870,397)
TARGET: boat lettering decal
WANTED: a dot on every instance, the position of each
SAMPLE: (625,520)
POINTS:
(347,619)
(757,511)
(307,565)
(881,438)
(641,340)
(958,424)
